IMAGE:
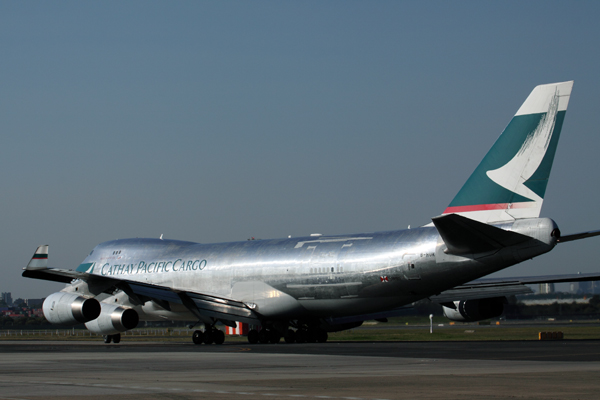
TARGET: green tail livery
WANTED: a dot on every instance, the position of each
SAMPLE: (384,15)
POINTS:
(510,182)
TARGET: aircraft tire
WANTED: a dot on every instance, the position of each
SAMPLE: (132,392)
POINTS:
(274,336)
(290,336)
(301,336)
(107,338)
(198,337)
(209,337)
(322,336)
(253,336)
(116,338)
(219,336)
(311,336)
(263,336)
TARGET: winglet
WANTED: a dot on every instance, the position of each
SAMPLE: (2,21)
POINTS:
(39,259)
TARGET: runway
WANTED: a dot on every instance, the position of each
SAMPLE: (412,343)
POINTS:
(382,370)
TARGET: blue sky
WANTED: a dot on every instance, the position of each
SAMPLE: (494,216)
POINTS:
(218,121)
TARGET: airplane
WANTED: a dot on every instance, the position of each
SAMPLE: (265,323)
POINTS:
(302,288)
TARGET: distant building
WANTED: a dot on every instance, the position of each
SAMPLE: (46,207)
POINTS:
(590,287)
(19,302)
(7,297)
(34,303)
(546,288)
(573,286)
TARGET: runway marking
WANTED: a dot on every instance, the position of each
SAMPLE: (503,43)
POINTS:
(153,388)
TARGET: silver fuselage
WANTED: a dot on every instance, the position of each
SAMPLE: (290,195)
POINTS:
(314,276)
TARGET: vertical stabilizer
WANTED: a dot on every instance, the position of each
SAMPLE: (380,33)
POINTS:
(510,182)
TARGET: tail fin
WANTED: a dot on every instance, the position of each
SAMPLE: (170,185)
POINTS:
(510,182)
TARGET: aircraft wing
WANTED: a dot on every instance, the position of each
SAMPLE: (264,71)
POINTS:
(202,305)
(498,287)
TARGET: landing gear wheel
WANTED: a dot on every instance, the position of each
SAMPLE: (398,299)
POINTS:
(263,336)
(301,336)
(311,336)
(218,336)
(322,336)
(290,336)
(209,337)
(198,337)
(253,336)
(274,336)
(116,338)
(107,338)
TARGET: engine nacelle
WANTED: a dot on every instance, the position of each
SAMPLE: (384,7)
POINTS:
(113,319)
(475,310)
(63,308)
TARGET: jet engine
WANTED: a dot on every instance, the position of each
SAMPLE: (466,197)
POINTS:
(113,319)
(63,308)
(474,310)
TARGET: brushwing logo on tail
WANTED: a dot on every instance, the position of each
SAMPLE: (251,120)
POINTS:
(515,174)
(510,182)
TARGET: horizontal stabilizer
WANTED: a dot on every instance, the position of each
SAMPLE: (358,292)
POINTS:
(531,280)
(466,236)
(480,291)
(577,236)
(498,287)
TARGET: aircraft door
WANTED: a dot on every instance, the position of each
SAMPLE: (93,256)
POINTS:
(410,267)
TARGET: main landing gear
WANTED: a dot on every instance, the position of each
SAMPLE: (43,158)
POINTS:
(264,336)
(209,336)
(112,338)
(309,335)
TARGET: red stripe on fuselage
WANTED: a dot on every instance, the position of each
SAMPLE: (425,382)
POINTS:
(487,207)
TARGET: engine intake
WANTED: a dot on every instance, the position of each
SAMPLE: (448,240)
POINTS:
(113,319)
(63,308)
(475,310)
